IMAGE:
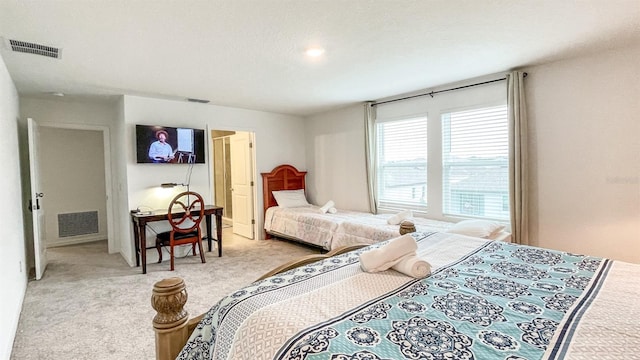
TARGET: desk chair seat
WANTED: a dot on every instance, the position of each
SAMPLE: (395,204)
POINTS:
(185,227)
(163,239)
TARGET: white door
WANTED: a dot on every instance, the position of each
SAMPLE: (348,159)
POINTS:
(241,184)
(37,210)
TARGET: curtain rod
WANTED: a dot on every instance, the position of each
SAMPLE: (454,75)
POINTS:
(441,91)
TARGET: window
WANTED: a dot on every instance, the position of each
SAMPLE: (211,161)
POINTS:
(461,171)
(475,163)
(402,163)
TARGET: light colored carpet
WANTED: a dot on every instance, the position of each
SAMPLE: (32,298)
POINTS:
(92,305)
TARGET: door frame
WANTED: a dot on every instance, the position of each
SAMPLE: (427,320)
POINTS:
(254,190)
(113,246)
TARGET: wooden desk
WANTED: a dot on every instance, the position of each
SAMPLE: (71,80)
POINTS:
(140,235)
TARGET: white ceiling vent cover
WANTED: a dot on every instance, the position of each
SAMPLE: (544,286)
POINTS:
(201,101)
(32,48)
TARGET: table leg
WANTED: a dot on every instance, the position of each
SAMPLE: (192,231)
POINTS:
(143,248)
(136,242)
(219,232)
(207,222)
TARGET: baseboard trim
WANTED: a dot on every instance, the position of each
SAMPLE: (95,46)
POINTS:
(75,240)
(13,328)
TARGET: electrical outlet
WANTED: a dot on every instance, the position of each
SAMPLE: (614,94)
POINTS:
(20,263)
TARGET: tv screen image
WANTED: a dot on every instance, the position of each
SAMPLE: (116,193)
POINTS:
(169,145)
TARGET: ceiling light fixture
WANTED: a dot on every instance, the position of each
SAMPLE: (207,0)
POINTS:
(56,93)
(314,51)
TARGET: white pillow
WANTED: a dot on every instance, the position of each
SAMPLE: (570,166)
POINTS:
(477,228)
(290,198)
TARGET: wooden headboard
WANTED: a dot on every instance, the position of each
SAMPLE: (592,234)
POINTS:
(283,177)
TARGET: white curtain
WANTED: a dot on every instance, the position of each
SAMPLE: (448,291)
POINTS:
(370,150)
(518,172)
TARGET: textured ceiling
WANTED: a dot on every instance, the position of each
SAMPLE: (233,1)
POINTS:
(249,53)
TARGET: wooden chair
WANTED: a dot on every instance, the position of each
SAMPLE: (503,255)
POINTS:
(186,211)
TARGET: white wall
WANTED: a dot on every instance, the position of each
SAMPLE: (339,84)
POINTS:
(279,139)
(336,159)
(73,180)
(12,246)
(585,154)
(69,111)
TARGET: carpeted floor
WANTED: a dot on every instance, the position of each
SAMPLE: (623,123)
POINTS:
(92,305)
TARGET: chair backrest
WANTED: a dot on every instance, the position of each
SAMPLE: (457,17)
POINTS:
(189,207)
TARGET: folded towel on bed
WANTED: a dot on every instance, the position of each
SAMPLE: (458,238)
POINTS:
(413,266)
(386,256)
(326,206)
(397,218)
(332,210)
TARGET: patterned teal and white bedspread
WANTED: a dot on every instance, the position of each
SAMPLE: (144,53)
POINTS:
(484,300)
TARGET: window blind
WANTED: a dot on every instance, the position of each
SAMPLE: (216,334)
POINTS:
(475,161)
(401,162)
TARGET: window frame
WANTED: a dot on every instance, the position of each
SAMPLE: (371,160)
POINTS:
(433,108)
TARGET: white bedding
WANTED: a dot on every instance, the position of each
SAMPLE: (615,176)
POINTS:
(374,228)
(343,228)
(307,223)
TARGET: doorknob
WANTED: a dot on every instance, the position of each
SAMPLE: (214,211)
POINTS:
(31,207)
(39,195)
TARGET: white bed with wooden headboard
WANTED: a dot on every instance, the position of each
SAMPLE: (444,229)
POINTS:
(304,222)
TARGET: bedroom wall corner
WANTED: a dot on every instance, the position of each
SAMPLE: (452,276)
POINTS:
(336,158)
(13,265)
(585,154)
(120,184)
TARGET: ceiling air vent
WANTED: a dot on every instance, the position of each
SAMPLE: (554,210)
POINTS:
(201,101)
(36,49)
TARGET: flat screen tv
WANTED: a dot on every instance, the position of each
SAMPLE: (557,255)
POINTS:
(169,145)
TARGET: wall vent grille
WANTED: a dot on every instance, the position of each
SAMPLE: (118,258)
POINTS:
(79,223)
(36,49)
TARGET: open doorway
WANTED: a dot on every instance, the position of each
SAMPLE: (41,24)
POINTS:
(233,179)
(76,180)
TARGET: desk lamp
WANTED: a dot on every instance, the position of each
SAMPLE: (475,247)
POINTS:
(186,183)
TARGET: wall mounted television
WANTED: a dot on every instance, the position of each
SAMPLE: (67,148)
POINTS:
(169,145)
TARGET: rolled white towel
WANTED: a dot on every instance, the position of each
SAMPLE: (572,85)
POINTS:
(397,218)
(386,256)
(326,206)
(413,266)
(332,210)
